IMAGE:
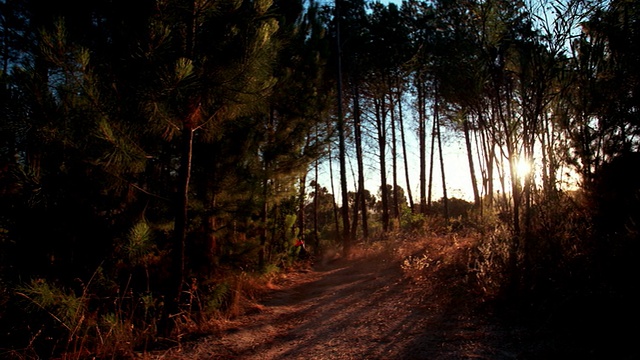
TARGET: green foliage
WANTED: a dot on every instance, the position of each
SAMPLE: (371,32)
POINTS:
(139,242)
(217,296)
(114,331)
(424,223)
(65,307)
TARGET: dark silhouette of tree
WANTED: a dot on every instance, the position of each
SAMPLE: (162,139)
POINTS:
(341,129)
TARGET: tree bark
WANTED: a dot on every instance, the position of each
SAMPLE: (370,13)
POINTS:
(359,155)
(380,115)
(445,199)
(333,192)
(431,161)
(405,158)
(394,162)
(301,201)
(316,239)
(346,235)
(176,279)
(472,171)
(263,218)
(422,140)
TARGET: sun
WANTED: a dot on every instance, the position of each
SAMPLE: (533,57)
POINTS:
(523,168)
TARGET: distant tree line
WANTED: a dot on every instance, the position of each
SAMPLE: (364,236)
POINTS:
(146,148)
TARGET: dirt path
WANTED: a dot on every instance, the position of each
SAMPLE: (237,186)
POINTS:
(360,309)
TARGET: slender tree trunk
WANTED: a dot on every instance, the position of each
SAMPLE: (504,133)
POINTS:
(405,158)
(178,252)
(472,171)
(445,199)
(356,213)
(278,232)
(356,204)
(346,241)
(431,161)
(547,157)
(483,146)
(394,163)
(356,178)
(505,203)
(266,184)
(301,203)
(505,116)
(515,188)
(303,197)
(422,140)
(515,181)
(549,163)
(183,206)
(490,171)
(333,192)
(264,217)
(481,156)
(212,241)
(359,155)
(382,145)
(316,239)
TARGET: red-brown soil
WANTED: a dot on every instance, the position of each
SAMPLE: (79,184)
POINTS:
(374,305)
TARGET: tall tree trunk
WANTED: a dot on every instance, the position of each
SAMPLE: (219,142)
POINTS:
(445,199)
(356,213)
(356,177)
(178,252)
(472,171)
(547,157)
(182,206)
(549,162)
(356,204)
(404,156)
(316,238)
(333,192)
(422,140)
(303,197)
(515,188)
(263,218)
(380,115)
(346,241)
(266,183)
(488,151)
(489,146)
(301,203)
(359,155)
(394,162)
(212,246)
(431,161)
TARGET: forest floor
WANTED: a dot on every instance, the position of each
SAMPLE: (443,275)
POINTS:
(404,302)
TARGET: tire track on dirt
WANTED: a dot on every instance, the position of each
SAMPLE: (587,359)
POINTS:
(357,309)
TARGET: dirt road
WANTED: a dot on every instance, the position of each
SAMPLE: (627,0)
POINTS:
(364,308)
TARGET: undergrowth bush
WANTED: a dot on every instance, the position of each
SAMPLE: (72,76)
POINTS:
(81,326)
(490,260)
(423,224)
(49,320)
(100,317)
